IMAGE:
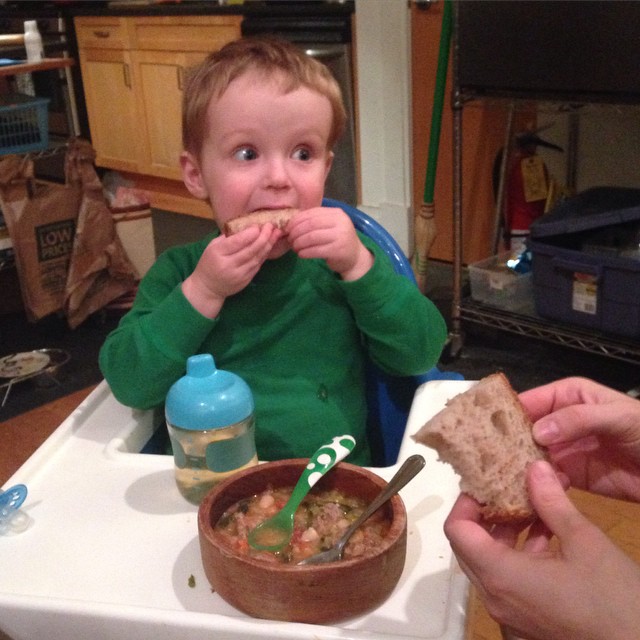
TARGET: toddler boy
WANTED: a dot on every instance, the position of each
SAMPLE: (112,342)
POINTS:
(295,312)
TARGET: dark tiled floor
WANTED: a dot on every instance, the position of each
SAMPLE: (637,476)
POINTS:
(527,362)
(81,370)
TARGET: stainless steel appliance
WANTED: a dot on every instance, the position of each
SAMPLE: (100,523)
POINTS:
(323,30)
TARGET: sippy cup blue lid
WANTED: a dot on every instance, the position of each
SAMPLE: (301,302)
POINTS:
(207,398)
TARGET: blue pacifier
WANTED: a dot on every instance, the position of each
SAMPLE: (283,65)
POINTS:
(10,502)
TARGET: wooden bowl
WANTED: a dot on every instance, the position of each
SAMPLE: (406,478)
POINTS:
(320,594)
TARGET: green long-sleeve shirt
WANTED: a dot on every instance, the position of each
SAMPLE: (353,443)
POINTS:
(298,335)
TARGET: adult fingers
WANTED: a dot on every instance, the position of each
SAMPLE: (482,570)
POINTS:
(618,421)
(464,508)
(551,502)
(473,545)
(538,538)
(539,535)
(545,399)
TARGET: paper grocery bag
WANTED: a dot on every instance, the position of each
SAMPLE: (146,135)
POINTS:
(100,270)
(68,255)
(41,219)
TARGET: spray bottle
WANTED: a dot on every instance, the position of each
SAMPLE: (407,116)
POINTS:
(33,41)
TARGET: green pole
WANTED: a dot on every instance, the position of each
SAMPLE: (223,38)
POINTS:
(438,103)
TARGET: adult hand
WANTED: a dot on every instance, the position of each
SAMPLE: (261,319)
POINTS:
(582,588)
(328,233)
(592,433)
(227,265)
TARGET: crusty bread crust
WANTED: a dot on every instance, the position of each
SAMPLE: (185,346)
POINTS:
(277,217)
(484,433)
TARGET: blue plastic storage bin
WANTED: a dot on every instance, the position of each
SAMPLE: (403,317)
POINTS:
(24,123)
(586,261)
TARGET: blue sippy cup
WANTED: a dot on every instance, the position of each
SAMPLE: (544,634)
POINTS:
(210,418)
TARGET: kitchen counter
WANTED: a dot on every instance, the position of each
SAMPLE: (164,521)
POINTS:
(211,7)
(313,21)
(112,545)
(46,64)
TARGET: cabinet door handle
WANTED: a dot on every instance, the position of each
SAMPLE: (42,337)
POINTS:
(127,75)
(180,77)
(101,34)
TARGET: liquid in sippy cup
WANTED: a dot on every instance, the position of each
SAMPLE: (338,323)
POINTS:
(210,418)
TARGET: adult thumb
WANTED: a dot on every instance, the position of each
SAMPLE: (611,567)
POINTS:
(550,500)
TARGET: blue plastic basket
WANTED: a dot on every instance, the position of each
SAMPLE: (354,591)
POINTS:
(24,123)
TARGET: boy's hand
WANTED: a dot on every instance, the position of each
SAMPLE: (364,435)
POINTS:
(328,233)
(227,266)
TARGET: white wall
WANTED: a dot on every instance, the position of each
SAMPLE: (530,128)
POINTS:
(384,72)
(608,147)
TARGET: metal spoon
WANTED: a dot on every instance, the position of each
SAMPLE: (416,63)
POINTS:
(410,468)
(275,532)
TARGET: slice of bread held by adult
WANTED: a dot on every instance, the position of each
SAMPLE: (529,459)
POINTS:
(277,217)
(485,434)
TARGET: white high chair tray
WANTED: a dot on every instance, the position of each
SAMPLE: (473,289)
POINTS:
(112,548)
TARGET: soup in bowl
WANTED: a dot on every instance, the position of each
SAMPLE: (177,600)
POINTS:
(273,586)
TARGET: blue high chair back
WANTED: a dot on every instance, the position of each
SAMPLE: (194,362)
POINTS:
(388,397)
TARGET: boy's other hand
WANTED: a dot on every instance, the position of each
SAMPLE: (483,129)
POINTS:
(227,266)
(328,233)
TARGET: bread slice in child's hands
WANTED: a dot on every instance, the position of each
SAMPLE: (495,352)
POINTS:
(485,434)
(277,217)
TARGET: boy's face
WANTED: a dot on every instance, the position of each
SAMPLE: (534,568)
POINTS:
(264,149)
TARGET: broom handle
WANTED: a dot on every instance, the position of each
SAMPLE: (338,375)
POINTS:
(438,103)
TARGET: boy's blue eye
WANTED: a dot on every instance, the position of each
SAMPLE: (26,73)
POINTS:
(245,153)
(302,154)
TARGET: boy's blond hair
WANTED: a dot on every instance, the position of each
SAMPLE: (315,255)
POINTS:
(270,58)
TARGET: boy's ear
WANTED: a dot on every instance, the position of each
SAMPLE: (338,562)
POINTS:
(192,176)
(328,163)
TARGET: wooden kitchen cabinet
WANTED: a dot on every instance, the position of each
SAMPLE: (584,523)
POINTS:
(112,107)
(107,77)
(133,70)
(160,76)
